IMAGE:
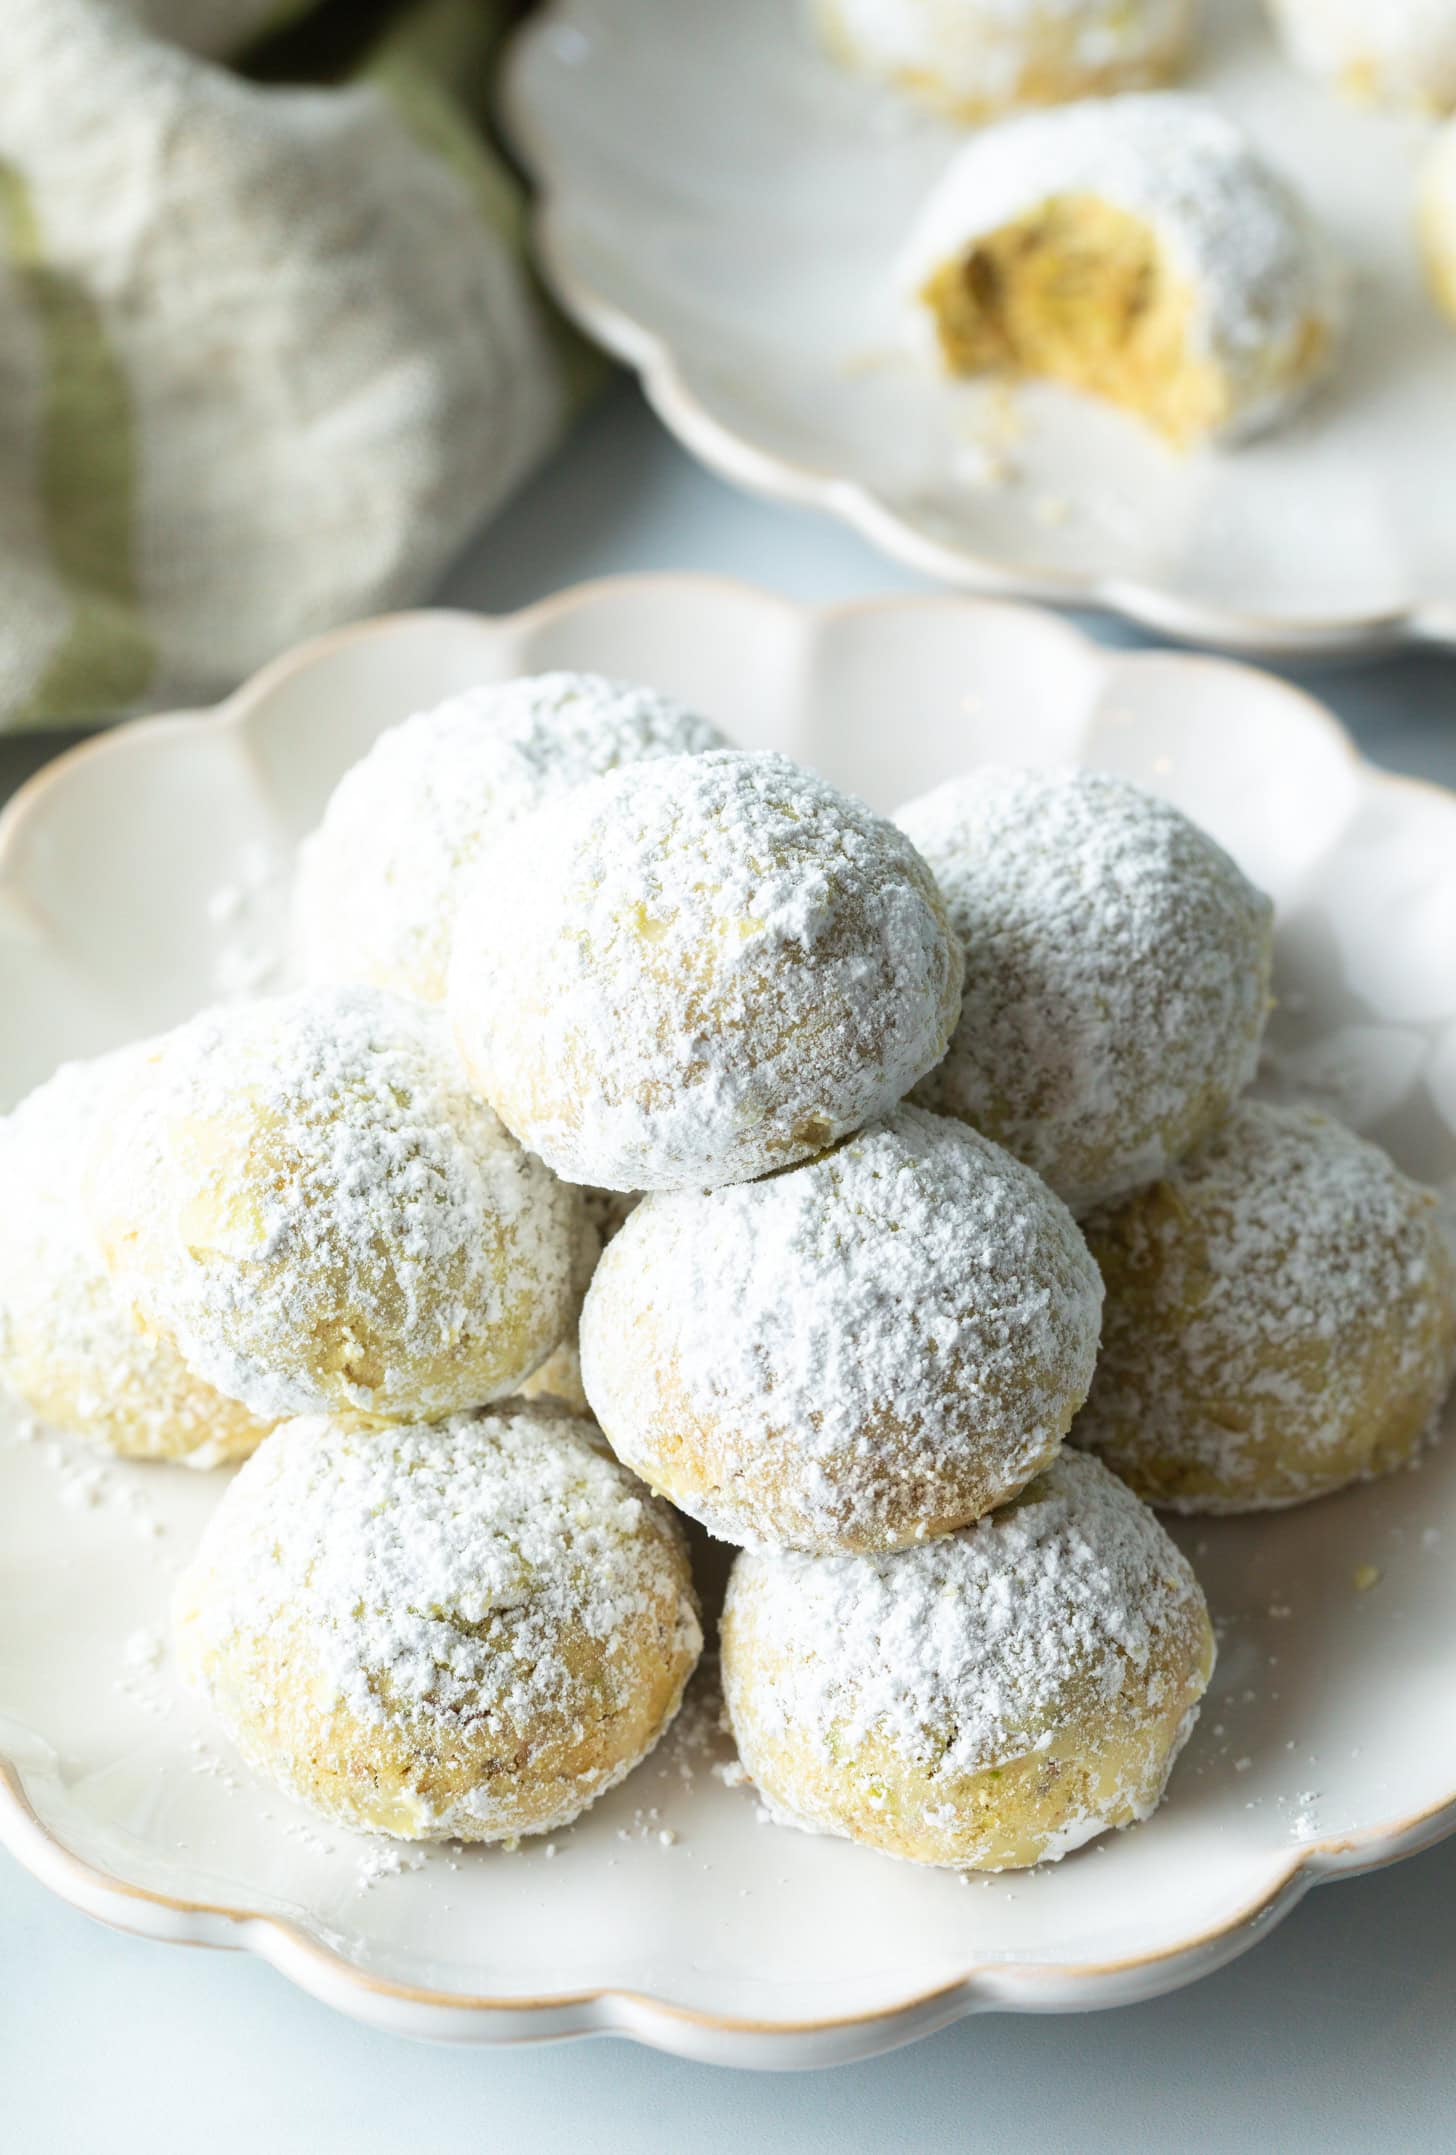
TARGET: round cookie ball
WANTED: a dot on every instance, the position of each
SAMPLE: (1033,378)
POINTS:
(304,1196)
(987,1701)
(1280,1318)
(1399,52)
(379,881)
(974,58)
(856,1354)
(68,1346)
(459,1630)
(1117,973)
(694,970)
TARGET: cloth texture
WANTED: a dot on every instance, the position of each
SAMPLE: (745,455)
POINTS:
(269,351)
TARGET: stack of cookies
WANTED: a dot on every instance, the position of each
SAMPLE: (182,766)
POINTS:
(661,1132)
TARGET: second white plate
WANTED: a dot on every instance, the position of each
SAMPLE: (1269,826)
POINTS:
(720,206)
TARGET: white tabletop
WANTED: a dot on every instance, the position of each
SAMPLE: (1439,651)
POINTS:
(1334,2033)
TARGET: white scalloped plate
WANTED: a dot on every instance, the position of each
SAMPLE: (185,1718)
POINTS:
(720,206)
(136,881)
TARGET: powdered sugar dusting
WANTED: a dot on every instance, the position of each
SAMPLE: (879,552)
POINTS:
(1260,274)
(876,1344)
(983,53)
(1281,1317)
(722,965)
(303,1194)
(379,882)
(67,1343)
(962,1654)
(1117,972)
(438,1578)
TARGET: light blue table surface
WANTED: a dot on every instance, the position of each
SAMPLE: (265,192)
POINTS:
(1337,2032)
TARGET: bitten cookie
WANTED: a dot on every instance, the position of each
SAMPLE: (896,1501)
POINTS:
(1138,249)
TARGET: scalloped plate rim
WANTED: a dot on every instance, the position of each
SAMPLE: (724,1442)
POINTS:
(316,1967)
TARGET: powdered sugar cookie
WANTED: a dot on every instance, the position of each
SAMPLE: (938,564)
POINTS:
(68,1346)
(464,1629)
(1437,217)
(971,58)
(304,1196)
(379,881)
(693,970)
(1117,973)
(1137,248)
(1281,1318)
(1397,51)
(859,1353)
(990,1700)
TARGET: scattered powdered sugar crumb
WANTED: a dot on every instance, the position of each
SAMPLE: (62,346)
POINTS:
(208,1766)
(905,1322)
(84,1487)
(647,1826)
(1117,965)
(143,1650)
(306,1835)
(1301,1813)
(386,1859)
(86,1483)
(782,951)
(141,1684)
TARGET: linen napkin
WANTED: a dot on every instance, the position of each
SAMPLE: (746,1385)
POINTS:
(268,352)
